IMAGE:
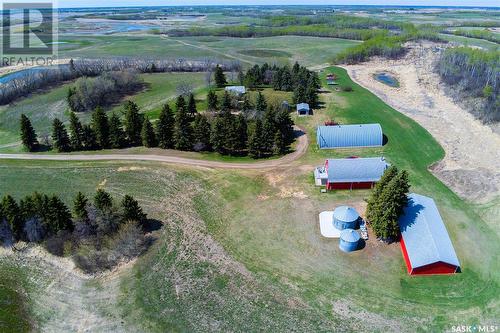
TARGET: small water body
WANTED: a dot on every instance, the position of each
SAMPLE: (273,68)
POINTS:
(15,75)
(387,79)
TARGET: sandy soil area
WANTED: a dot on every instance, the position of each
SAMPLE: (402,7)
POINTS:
(471,165)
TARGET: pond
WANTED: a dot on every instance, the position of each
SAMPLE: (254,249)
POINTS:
(387,79)
(18,74)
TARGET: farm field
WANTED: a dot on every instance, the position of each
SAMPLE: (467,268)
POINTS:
(247,243)
(307,50)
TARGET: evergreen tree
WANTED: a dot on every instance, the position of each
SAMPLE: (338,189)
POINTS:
(241,77)
(255,140)
(28,135)
(212,102)
(219,77)
(285,124)
(191,108)
(60,136)
(58,216)
(389,204)
(299,94)
(76,132)
(165,128)
(180,103)
(148,134)
(280,147)
(100,126)
(286,80)
(89,140)
(80,206)
(182,130)
(70,99)
(268,131)
(116,132)
(242,133)
(133,123)
(373,207)
(202,133)
(218,135)
(226,103)
(103,200)
(132,211)
(12,214)
(260,104)
(247,106)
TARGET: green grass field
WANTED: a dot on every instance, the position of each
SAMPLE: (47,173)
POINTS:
(241,250)
(284,49)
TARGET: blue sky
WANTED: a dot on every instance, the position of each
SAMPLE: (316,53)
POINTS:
(100,3)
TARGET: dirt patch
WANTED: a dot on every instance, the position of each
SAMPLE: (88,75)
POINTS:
(133,168)
(471,147)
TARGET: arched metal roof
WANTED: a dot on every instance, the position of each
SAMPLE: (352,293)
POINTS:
(340,136)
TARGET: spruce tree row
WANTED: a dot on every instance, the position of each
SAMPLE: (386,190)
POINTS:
(386,203)
(37,217)
(185,129)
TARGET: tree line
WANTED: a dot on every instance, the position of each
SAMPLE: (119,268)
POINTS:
(30,81)
(473,73)
(386,203)
(97,233)
(268,131)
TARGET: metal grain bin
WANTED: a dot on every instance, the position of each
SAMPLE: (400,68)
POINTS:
(349,240)
(345,217)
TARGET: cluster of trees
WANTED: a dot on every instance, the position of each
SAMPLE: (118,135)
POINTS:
(303,82)
(473,73)
(334,26)
(268,132)
(31,80)
(477,33)
(388,45)
(98,233)
(386,203)
(88,93)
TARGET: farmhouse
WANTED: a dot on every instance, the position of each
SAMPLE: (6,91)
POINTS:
(303,109)
(343,136)
(350,173)
(425,243)
(237,90)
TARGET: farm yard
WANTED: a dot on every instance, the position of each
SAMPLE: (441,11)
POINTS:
(240,247)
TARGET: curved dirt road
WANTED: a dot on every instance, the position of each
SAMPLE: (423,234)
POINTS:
(301,148)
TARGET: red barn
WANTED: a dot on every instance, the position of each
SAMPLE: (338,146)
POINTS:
(351,173)
(425,243)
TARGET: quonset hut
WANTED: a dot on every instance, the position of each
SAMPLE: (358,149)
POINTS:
(425,243)
(344,136)
(345,217)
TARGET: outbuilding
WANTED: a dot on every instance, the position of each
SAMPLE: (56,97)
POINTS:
(303,109)
(345,136)
(425,243)
(237,90)
(350,173)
